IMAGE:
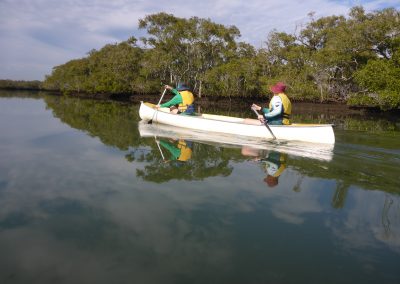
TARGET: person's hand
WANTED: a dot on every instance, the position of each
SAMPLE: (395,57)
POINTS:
(256,107)
(261,118)
(158,106)
(168,87)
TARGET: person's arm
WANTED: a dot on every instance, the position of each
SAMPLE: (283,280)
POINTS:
(260,116)
(265,110)
(276,108)
(175,152)
(176,100)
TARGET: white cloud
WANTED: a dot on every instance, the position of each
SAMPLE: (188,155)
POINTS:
(36,35)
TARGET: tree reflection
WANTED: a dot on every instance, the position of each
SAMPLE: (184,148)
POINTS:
(340,194)
(116,125)
(185,160)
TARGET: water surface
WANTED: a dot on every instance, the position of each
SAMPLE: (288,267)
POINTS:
(85,199)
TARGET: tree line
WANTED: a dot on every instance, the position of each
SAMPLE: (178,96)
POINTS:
(353,59)
(20,85)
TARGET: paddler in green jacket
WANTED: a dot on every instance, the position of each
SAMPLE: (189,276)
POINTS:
(182,102)
(181,151)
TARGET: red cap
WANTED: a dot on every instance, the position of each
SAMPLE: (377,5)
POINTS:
(278,88)
(271,181)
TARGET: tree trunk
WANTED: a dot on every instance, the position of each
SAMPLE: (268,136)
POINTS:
(200,89)
(322,94)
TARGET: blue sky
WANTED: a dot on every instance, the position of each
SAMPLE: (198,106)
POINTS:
(36,35)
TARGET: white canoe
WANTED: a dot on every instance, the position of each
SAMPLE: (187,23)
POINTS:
(318,151)
(316,133)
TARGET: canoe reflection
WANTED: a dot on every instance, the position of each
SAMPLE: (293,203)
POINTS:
(317,151)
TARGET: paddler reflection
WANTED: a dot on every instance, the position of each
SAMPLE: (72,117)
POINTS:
(179,150)
(274,163)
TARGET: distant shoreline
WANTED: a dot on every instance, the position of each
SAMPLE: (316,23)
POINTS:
(217,102)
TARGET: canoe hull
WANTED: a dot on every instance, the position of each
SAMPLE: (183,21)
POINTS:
(318,151)
(316,133)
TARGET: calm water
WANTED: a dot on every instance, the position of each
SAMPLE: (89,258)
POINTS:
(85,199)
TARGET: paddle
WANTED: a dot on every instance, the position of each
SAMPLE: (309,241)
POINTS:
(151,120)
(265,123)
(159,148)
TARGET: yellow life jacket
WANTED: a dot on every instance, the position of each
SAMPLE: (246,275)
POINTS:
(186,152)
(187,99)
(282,159)
(287,108)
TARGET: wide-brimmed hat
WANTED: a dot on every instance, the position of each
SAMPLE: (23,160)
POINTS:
(278,88)
(182,87)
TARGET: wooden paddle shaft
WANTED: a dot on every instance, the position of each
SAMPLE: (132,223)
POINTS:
(265,123)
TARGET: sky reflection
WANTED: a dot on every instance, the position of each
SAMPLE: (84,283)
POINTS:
(73,210)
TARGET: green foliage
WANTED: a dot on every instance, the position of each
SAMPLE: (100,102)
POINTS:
(322,59)
(112,69)
(327,59)
(185,49)
(20,85)
(380,79)
(235,78)
(359,99)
